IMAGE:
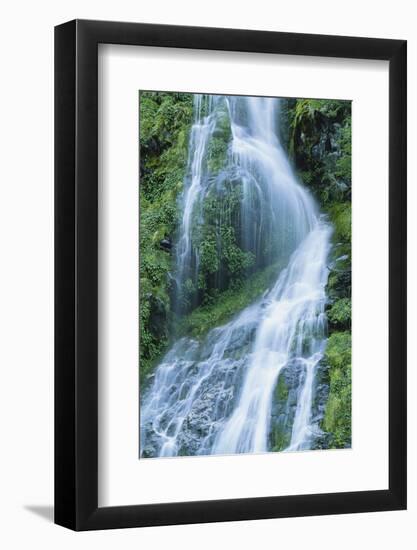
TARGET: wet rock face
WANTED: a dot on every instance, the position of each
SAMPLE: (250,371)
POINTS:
(207,414)
(321,394)
(150,450)
(200,414)
(165,244)
(284,404)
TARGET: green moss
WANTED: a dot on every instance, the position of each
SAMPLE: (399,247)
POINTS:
(338,350)
(337,417)
(280,435)
(227,304)
(341,216)
(280,438)
(339,282)
(281,389)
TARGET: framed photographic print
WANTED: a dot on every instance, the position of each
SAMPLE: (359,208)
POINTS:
(230,275)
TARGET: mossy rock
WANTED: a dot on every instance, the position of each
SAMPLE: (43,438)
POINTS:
(339,349)
(280,437)
(320,145)
(217,154)
(281,389)
(337,418)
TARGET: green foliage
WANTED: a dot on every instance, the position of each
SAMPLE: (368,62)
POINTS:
(340,314)
(209,257)
(310,109)
(280,437)
(234,258)
(337,418)
(148,111)
(225,305)
(163,115)
(341,216)
(320,144)
(165,121)
(338,350)
(223,128)
(343,163)
(308,113)
(219,143)
(217,153)
(222,262)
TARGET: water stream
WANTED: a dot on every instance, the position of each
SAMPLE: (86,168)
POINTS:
(219,395)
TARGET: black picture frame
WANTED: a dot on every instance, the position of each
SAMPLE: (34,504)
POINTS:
(76,274)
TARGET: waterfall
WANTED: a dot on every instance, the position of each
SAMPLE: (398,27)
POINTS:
(201,131)
(218,395)
(290,328)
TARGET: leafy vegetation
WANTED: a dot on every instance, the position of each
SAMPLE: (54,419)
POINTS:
(165,120)
(337,418)
(320,144)
(222,261)
(340,313)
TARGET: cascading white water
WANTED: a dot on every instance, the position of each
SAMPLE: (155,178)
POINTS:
(216,396)
(201,132)
(291,329)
